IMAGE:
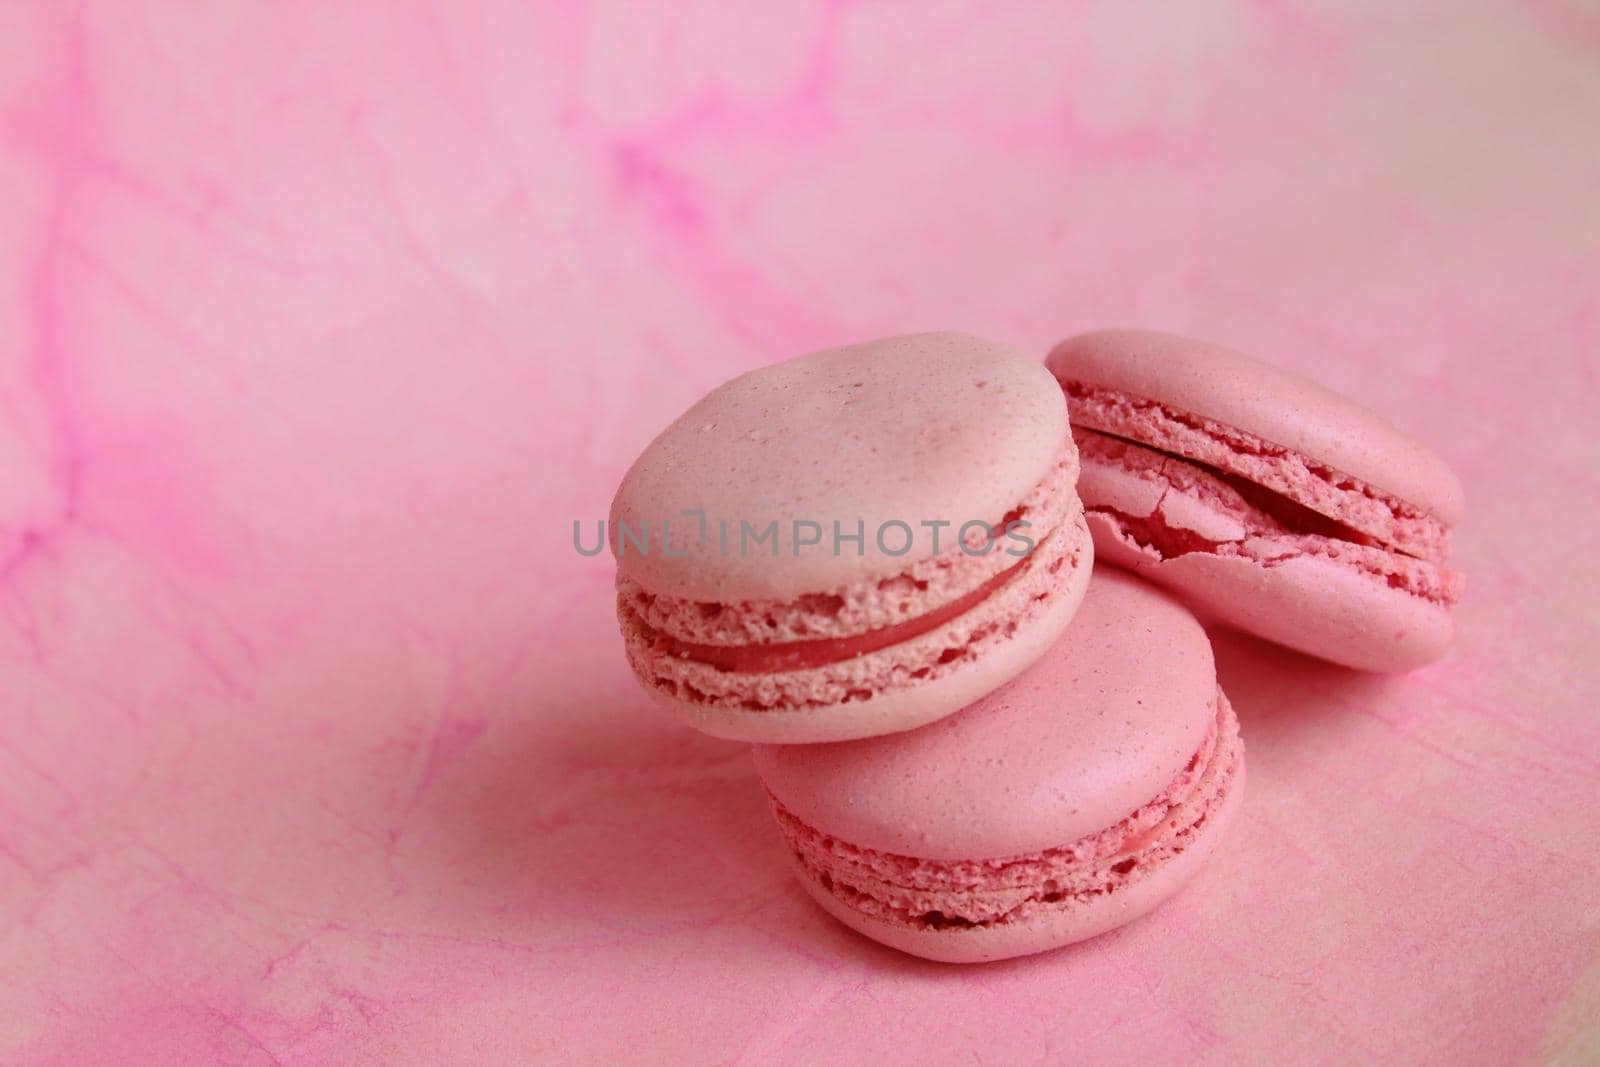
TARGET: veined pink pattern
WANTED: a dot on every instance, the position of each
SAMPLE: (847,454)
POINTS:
(317,740)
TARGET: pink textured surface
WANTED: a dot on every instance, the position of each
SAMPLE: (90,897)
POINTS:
(316,739)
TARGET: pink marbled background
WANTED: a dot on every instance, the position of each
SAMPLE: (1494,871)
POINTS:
(320,325)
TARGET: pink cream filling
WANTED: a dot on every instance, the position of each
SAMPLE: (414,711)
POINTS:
(1262,469)
(864,605)
(831,627)
(801,655)
(1277,528)
(928,657)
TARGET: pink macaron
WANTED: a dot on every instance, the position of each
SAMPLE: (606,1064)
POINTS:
(1070,801)
(853,542)
(1269,502)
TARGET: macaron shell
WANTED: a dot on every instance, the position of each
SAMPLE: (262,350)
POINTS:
(1095,728)
(1308,604)
(918,429)
(1074,920)
(1284,408)
(895,710)
(1316,605)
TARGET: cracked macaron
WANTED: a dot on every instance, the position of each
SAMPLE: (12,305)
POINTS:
(853,542)
(1271,503)
(1073,800)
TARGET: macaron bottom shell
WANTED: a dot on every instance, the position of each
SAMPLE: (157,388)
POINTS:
(896,688)
(1181,526)
(1070,906)
(1307,603)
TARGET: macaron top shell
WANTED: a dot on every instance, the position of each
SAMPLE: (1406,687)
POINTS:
(1281,407)
(915,429)
(1099,726)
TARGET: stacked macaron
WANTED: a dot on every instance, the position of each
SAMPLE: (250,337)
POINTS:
(874,562)
(1070,801)
(854,542)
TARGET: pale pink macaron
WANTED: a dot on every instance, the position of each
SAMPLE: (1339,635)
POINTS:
(1271,503)
(861,540)
(1071,801)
